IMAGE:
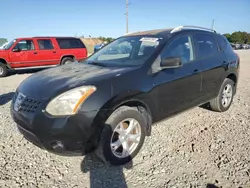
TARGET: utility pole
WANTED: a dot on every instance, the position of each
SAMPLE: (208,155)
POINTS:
(127,16)
(212,24)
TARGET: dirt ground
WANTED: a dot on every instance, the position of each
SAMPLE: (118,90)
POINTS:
(198,148)
(90,43)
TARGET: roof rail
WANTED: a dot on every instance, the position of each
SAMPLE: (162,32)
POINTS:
(129,33)
(53,37)
(179,28)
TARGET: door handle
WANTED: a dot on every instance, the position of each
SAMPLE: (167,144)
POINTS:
(54,52)
(35,52)
(196,70)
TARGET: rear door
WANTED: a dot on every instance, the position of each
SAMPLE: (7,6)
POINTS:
(23,54)
(212,61)
(46,53)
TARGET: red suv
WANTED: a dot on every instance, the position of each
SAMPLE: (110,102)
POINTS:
(40,52)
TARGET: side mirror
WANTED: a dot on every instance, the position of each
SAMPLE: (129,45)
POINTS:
(171,62)
(16,50)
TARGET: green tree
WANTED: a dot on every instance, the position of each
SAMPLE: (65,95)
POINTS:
(245,37)
(2,41)
(238,37)
(228,36)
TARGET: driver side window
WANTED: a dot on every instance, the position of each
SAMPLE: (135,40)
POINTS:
(25,45)
(180,47)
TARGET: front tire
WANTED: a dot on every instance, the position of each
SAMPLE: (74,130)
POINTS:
(122,136)
(225,98)
(3,70)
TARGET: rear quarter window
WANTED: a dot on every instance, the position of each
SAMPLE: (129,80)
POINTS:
(224,43)
(65,43)
(206,45)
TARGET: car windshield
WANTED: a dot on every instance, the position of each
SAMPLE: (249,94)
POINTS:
(9,44)
(125,51)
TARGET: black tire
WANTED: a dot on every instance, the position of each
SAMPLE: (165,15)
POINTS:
(103,151)
(216,103)
(67,59)
(3,70)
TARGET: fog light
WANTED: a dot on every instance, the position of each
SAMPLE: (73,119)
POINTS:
(57,145)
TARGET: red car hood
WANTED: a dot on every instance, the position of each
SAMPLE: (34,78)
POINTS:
(2,50)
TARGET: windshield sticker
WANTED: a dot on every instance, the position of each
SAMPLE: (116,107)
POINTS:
(147,39)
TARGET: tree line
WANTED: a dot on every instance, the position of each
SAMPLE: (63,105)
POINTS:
(106,39)
(240,37)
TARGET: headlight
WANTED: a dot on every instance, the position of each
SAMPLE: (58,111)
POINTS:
(68,103)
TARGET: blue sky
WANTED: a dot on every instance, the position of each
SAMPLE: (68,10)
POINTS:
(20,18)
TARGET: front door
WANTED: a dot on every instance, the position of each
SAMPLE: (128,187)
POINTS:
(23,54)
(179,88)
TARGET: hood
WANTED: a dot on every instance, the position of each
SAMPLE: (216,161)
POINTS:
(3,53)
(49,82)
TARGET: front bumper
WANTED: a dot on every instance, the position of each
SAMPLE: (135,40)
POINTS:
(72,135)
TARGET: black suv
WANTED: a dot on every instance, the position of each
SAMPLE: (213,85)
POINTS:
(108,102)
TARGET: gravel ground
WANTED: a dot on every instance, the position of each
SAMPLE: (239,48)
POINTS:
(197,148)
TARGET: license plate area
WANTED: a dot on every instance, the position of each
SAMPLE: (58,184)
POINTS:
(19,100)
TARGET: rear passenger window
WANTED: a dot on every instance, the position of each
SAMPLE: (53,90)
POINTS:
(206,45)
(45,44)
(224,43)
(70,43)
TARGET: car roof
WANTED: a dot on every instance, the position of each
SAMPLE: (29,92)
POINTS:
(165,32)
(60,37)
(54,37)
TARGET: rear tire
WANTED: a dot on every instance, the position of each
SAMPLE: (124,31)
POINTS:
(3,70)
(67,60)
(225,98)
(111,145)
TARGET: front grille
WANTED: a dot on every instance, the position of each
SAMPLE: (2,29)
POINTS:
(29,105)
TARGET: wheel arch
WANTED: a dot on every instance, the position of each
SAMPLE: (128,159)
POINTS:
(137,103)
(110,106)
(233,77)
(2,60)
(68,55)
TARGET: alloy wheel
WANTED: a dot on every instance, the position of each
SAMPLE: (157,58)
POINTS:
(1,70)
(125,138)
(227,95)
(67,62)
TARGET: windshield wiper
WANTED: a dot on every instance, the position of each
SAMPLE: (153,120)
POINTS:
(96,63)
